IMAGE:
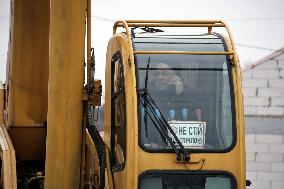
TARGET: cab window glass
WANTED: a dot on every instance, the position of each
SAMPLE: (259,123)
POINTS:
(118,117)
(186,181)
(193,93)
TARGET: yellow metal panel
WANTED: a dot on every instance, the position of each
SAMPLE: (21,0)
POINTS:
(8,158)
(29,56)
(65,94)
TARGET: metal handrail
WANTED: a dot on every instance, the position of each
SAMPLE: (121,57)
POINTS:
(176,23)
(125,25)
(183,52)
(170,25)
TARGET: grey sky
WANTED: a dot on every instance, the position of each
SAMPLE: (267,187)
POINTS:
(241,15)
(252,22)
(4,35)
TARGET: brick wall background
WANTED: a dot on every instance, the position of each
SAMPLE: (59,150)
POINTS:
(263,90)
(265,161)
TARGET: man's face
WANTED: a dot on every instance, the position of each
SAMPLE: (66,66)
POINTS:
(163,76)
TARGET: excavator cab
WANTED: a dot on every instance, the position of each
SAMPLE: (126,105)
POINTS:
(173,111)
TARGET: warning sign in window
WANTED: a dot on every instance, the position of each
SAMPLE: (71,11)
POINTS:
(190,133)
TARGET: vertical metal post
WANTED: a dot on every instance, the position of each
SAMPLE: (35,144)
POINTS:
(85,105)
(89,78)
(65,94)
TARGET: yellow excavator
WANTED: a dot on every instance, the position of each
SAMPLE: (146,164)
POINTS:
(173,112)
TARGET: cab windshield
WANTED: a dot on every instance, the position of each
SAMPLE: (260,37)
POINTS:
(193,93)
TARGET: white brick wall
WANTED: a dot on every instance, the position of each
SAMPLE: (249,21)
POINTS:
(260,185)
(271,92)
(255,83)
(263,88)
(277,167)
(271,110)
(259,101)
(254,147)
(269,139)
(277,101)
(250,139)
(247,74)
(269,64)
(265,153)
(281,63)
(280,58)
(268,157)
(281,73)
(265,73)
(276,83)
(249,92)
(277,185)
(250,110)
(265,161)
(258,166)
(269,176)
(276,148)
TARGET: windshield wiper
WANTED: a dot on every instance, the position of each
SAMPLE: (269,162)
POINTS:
(145,96)
(160,121)
(163,123)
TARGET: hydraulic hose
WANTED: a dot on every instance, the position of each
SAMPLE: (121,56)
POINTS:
(100,147)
